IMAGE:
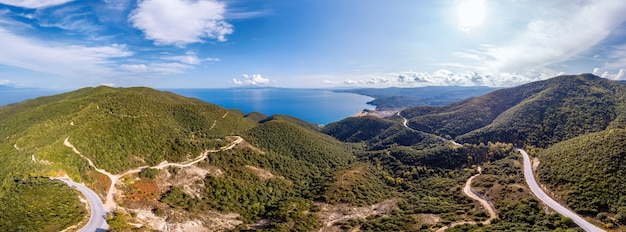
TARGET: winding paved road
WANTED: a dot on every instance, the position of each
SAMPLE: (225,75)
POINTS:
(534,187)
(97,220)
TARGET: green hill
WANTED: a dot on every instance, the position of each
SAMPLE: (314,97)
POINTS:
(292,120)
(256,116)
(299,143)
(117,129)
(589,171)
(378,133)
(539,113)
(357,129)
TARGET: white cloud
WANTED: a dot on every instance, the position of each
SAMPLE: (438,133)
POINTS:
(190,58)
(620,75)
(34,3)
(72,18)
(444,77)
(181,22)
(255,79)
(136,68)
(596,71)
(156,68)
(59,59)
(557,36)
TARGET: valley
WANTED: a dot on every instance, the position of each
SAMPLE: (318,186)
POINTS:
(160,161)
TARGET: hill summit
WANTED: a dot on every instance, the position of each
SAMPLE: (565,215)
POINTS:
(117,128)
(539,113)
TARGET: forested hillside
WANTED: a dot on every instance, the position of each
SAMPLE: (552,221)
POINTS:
(539,113)
(378,133)
(118,129)
(589,171)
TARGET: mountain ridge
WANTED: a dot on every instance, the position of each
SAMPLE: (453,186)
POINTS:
(288,174)
(498,114)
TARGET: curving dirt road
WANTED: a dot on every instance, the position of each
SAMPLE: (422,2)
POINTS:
(468,191)
(97,221)
(110,201)
(542,196)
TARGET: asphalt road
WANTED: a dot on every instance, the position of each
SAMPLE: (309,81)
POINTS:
(534,187)
(97,221)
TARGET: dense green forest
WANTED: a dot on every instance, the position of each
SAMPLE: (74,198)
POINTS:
(140,126)
(39,204)
(379,133)
(304,163)
(590,171)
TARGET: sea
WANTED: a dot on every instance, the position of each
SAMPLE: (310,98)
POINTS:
(15,95)
(318,106)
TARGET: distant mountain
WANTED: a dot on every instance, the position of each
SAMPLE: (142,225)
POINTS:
(539,113)
(399,98)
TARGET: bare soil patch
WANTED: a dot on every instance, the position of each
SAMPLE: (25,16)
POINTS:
(330,214)
(180,220)
(264,174)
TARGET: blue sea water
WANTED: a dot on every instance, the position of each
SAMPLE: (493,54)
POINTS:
(15,95)
(313,105)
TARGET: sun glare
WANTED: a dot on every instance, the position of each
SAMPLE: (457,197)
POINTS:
(471,14)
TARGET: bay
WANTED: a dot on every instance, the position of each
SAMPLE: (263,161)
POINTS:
(318,106)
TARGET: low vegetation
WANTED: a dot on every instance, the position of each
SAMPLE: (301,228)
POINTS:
(503,184)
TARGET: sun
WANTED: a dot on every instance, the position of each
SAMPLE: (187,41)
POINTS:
(471,14)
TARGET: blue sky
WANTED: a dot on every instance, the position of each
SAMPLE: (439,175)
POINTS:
(307,43)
